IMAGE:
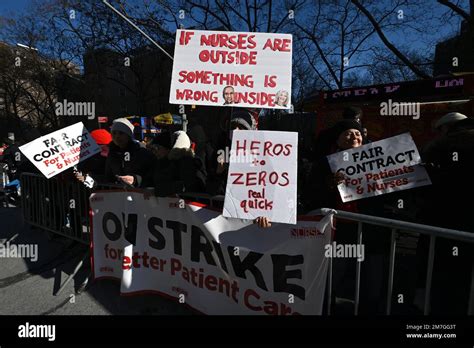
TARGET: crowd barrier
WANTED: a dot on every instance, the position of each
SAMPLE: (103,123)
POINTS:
(394,226)
(54,205)
(62,207)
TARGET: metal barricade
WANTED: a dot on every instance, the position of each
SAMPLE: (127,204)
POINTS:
(394,226)
(62,207)
(58,206)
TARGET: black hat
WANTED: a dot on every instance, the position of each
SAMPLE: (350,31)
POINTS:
(352,113)
(344,125)
(163,139)
(244,119)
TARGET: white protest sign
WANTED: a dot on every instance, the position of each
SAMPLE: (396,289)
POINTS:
(224,68)
(380,167)
(210,263)
(60,150)
(262,178)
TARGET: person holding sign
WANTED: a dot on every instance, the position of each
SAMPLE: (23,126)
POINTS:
(128,163)
(344,135)
(218,166)
(217,180)
(449,160)
(323,193)
(91,171)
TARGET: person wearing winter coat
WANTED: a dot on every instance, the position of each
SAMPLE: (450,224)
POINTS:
(91,171)
(128,163)
(449,160)
(322,192)
(218,167)
(218,164)
(177,169)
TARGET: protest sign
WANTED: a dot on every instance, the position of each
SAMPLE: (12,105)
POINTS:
(206,261)
(378,168)
(60,150)
(223,68)
(262,178)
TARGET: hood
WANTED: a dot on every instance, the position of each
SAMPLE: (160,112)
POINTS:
(181,146)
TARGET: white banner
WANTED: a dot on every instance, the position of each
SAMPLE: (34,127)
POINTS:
(224,68)
(60,150)
(204,260)
(262,178)
(380,167)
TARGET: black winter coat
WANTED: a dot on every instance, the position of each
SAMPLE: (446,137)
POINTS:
(140,164)
(452,163)
(180,172)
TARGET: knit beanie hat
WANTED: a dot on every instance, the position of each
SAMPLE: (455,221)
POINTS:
(180,140)
(101,136)
(244,119)
(344,125)
(123,125)
(450,118)
(163,139)
(352,113)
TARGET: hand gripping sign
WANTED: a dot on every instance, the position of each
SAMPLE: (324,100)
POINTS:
(213,264)
(262,179)
(60,150)
(381,167)
(223,68)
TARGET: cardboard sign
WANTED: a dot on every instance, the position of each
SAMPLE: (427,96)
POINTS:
(223,68)
(378,168)
(262,179)
(60,150)
(189,253)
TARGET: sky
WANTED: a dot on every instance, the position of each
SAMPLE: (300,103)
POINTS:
(12,6)
(16,7)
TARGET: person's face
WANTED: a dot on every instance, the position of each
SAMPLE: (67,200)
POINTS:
(365,132)
(104,150)
(282,99)
(349,139)
(235,127)
(229,95)
(159,151)
(120,139)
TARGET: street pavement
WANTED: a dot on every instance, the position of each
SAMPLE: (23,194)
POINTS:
(27,287)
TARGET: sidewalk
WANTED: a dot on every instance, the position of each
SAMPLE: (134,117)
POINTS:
(26,287)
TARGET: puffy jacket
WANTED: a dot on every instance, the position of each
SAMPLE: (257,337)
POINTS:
(181,171)
(139,164)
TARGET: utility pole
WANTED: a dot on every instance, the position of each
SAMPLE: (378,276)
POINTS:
(184,118)
(137,28)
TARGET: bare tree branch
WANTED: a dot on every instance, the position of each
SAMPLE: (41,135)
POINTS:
(269,23)
(321,53)
(387,43)
(455,9)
